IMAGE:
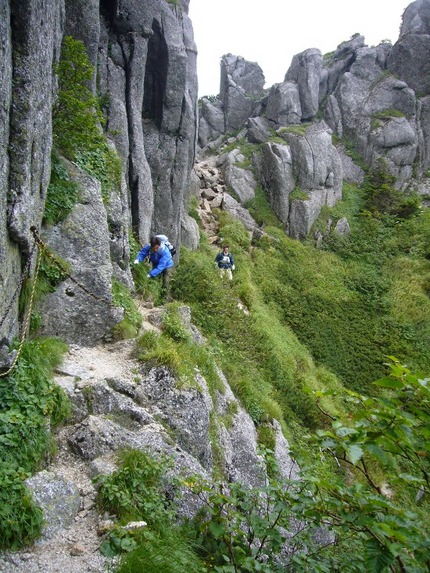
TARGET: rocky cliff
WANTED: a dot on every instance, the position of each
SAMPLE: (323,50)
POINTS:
(374,99)
(144,59)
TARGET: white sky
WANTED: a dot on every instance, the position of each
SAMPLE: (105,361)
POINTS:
(271,32)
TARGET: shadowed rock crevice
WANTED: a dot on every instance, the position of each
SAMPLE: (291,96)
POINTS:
(155,77)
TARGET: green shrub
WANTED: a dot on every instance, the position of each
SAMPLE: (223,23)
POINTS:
(173,326)
(20,519)
(27,398)
(382,198)
(62,194)
(77,119)
(130,324)
(261,211)
(138,490)
(167,551)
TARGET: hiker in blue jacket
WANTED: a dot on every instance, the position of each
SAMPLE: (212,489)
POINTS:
(161,259)
(225,262)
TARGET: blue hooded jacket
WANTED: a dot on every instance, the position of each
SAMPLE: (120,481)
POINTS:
(161,260)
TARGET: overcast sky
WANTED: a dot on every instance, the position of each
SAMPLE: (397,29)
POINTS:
(271,32)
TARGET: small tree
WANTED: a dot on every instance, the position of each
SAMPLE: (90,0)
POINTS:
(382,448)
(382,198)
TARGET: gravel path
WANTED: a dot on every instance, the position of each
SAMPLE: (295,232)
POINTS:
(76,549)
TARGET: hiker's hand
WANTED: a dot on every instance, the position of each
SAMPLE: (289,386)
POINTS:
(232,267)
(148,276)
(136,262)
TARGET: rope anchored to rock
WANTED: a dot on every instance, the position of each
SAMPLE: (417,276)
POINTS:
(42,250)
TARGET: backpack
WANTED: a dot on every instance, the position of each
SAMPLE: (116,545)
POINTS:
(168,244)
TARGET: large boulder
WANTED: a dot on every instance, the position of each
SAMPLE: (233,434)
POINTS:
(185,411)
(211,124)
(58,499)
(380,118)
(236,210)
(238,179)
(305,71)
(338,63)
(276,175)
(76,314)
(258,130)
(409,59)
(241,83)
(316,162)
(283,104)
(370,63)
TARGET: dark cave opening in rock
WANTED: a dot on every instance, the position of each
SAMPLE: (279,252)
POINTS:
(155,77)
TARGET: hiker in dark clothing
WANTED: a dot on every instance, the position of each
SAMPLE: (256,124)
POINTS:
(225,262)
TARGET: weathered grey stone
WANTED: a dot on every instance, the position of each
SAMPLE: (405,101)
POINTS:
(185,411)
(305,72)
(409,58)
(240,181)
(212,122)
(104,400)
(97,438)
(342,227)
(333,116)
(10,267)
(352,173)
(288,468)
(370,62)
(277,177)
(185,316)
(246,75)
(58,499)
(238,439)
(239,444)
(236,209)
(283,104)
(119,225)
(304,212)
(316,162)
(241,83)
(149,50)
(190,233)
(36,41)
(338,63)
(258,130)
(423,125)
(83,241)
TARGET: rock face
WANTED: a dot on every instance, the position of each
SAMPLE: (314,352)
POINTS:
(376,98)
(58,499)
(145,69)
(82,240)
(408,60)
(128,404)
(241,83)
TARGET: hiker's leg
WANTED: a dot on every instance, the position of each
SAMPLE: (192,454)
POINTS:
(165,285)
(229,274)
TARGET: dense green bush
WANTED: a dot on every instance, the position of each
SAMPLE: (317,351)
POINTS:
(130,324)
(27,398)
(62,195)
(77,119)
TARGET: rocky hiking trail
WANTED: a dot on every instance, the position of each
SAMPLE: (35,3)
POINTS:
(72,546)
(75,549)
